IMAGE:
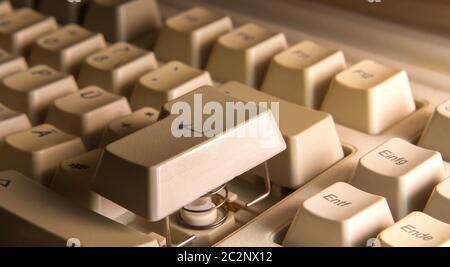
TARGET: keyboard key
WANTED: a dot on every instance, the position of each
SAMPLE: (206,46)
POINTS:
(403,173)
(87,112)
(122,20)
(438,206)
(65,12)
(312,141)
(72,181)
(189,36)
(34,90)
(244,54)
(416,230)
(38,151)
(302,74)
(12,122)
(20,29)
(167,83)
(435,135)
(10,64)
(369,97)
(339,216)
(33,215)
(154,161)
(5,8)
(23,3)
(116,68)
(66,48)
(129,124)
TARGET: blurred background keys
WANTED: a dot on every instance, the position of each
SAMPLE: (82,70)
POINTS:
(37,152)
(24,3)
(19,30)
(66,48)
(87,112)
(34,90)
(123,20)
(190,35)
(65,12)
(5,8)
(11,64)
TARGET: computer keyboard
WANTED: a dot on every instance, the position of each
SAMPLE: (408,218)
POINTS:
(351,121)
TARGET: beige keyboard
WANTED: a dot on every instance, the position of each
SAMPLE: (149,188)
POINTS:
(120,125)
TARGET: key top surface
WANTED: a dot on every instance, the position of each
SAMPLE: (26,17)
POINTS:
(171,170)
(190,35)
(5,8)
(34,90)
(340,215)
(244,54)
(52,220)
(122,20)
(116,68)
(65,12)
(87,112)
(20,29)
(37,152)
(416,230)
(12,122)
(167,83)
(302,74)
(66,48)
(438,206)
(311,137)
(402,172)
(435,135)
(10,64)
(369,97)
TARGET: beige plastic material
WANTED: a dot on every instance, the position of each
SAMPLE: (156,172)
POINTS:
(190,35)
(34,90)
(369,97)
(311,138)
(87,113)
(165,171)
(122,20)
(116,68)
(72,181)
(403,173)
(438,206)
(10,64)
(302,74)
(37,152)
(339,216)
(12,122)
(435,135)
(32,215)
(129,124)
(65,12)
(20,29)
(244,54)
(416,230)
(66,48)
(5,8)
(166,83)
(200,212)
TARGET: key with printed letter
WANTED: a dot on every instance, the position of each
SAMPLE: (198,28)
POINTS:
(10,64)
(116,68)
(122,20)
(20,29)
(416,230)
(38,151)
(32,215)
(369,97)
(244,54)
(65,12)
(190,35)
(66,48)
(435,135)
(340,215)
(169,164)
(34,90)
(403,173)
(129,124)
(12,122)
(167,83)
(302,74)
(87,112)
(311,137)
(438,205)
